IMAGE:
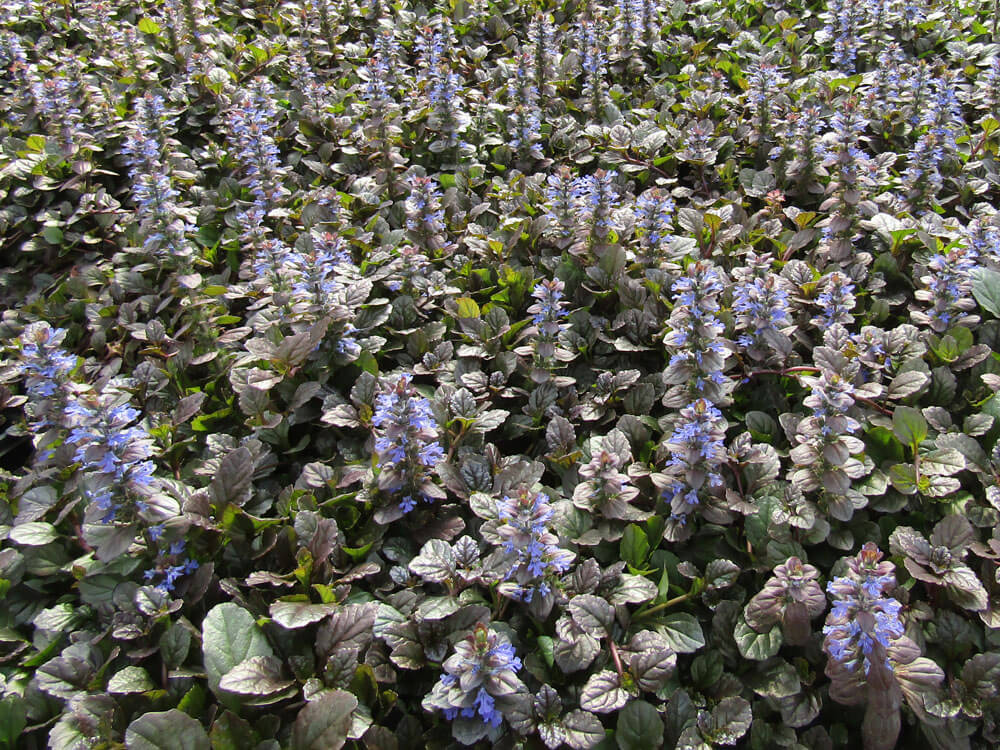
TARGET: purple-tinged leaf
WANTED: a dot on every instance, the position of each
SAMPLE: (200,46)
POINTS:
(603,693)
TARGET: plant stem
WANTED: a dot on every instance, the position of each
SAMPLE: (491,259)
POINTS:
(617,659)
(664,605)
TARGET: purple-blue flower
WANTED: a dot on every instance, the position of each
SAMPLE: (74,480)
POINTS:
(406,442)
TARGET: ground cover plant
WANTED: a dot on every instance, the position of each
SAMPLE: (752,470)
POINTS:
(390,375)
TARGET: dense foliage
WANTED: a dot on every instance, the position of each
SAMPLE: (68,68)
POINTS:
(549,374)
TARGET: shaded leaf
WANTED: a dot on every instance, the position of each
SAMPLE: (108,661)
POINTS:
(682,631)
(583,730)
(258,675)
(324,724)
(728,721)
(640,727)
(130,680)
(909,425)
(229,637)
(986,290)
(651,669)
(754,645)
(166,730)
(293,615)
(435,563)
(34,534)
(632,589)
(592,613)
(233,477)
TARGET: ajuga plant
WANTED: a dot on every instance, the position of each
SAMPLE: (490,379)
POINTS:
(380,129)
(56,100)
(561,192)
(870,659)
(499,374)
(447,116)
(478,682)
(764,91)
(694,341)
(312,91)
(424,215)
(693,474)
(532,560)
(627,27)
(542,51)
(761,306)
(593,63)
(46,369)
(406,445)
(844,19)
(791,597)
(605,491)
(800,147)
(252,121)
(825,442)
(597,203)
(850,170)
(163,223)
(947,283)
(525,118)
(548,321)
(654,213)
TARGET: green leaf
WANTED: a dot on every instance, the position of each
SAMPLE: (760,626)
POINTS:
(907,383)
(436,608)
(233,477)
(761,425)
(986,290)
(909,426)
(13,718)
(193,702)
(166,730)
(34,534)
(217,78)
(634,546)
(53,235)
(633,590)
(35,503)
(229,637)
(903,478)
(583,729)
(546,647)
(61,618)
(130,680)
(754,645)
(230,732)
(721,574)
(174,645)
(682,631)
(640,727)
(780,680)
(467,308)
(324,723)
(149,26)
(943,462)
